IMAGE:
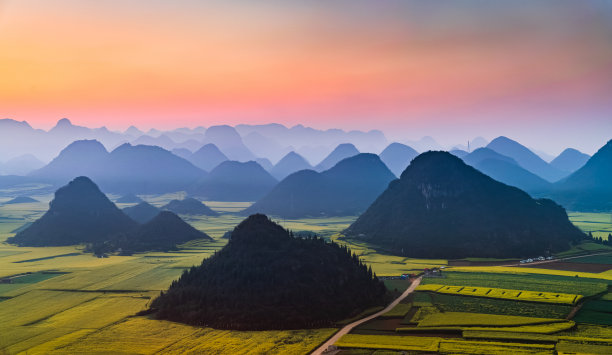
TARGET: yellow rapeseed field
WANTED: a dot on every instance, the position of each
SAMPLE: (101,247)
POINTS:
(518,295)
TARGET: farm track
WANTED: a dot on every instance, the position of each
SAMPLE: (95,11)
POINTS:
(347,328)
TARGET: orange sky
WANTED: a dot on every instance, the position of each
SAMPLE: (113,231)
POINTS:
(391,65)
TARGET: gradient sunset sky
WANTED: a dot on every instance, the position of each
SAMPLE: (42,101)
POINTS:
(536,71)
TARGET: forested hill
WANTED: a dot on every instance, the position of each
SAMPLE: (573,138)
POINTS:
(265,278)
(443,208)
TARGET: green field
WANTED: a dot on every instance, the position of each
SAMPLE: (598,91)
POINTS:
(599,224)
(72,302)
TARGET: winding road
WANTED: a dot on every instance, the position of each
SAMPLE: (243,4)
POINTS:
(347,328)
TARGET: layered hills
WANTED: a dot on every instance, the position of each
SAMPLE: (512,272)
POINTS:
(265,278)
(288,165)
(526,158)
(443,208)
(570,160)
(127,169)
(346,189)
(589,188)
(234,181)
(341,152)
(81,214)
(506,170)
(397,157)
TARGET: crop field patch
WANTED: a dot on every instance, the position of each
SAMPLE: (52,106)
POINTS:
(499,293)
(599,224)
(493,348)
(389,342)
(595,312)
(463,319)
(594,259)
(527,282)
(141,335)
(456,303)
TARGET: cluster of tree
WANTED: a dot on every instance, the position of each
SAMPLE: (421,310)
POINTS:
(267,278)
(600,240)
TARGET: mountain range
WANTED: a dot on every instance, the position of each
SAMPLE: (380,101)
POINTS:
(234,181)
(127,169)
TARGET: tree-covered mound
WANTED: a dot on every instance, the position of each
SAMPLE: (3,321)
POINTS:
(443,208)
(265,278)
(79,213)
(189,206)
(164,232)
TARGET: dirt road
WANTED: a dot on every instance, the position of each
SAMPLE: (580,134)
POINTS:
(347,328)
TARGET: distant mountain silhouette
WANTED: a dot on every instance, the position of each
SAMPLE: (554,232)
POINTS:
(162,141)
(142,212)
(148,169)
(342,151)
(397,157)
(513,175)
(79,213)
(424,144)
(263,146)
(288,165)
(84,157)
(21,165)
(570,160)
(590,187)
(459,153)
(164,232)
(443,208)
(229,142)
(264,278)
(207,157)
(474,144)
(127,169)
(234,181)
(183,153)
(346,189)
(482,154)
(189,206)
(506,170)
(129,198)
(525,158)
(20,199)
(265,163)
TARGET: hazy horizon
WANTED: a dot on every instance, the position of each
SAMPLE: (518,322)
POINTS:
(535,72)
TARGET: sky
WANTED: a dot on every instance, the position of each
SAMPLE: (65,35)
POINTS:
(536,71)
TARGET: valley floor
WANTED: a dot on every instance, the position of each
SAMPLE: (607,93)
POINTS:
(61,300)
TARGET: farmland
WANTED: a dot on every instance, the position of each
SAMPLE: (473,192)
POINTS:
(67,301)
